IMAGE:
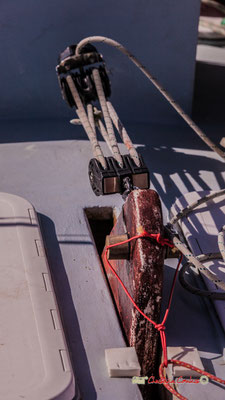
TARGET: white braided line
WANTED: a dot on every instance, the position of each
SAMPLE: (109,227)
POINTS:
(104,133)
(169,98)
(213,27)
(195,204)
(194,260)
(97,122)
(189,121)
(123,134)
(91,118)
(187,253)
(221,244)
(96,148)
(108,123)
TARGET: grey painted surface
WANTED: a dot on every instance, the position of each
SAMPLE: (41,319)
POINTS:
(162,34)
(53,176)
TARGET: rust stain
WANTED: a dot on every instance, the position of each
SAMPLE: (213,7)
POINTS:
(142,274)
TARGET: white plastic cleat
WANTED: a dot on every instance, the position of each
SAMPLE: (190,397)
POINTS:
(186,354)
(122,362)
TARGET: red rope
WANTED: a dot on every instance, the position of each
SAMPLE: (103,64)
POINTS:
(160,327)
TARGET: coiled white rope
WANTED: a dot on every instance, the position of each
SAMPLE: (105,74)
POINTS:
(192,206)
(168,97)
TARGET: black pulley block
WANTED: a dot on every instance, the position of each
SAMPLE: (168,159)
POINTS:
(80,68)
(115,179)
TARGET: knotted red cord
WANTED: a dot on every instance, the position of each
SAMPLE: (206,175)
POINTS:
(158,237)
(160,327)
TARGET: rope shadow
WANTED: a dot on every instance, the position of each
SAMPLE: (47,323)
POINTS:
(181,164)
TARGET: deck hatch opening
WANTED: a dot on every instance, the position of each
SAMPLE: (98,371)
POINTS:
(101,221)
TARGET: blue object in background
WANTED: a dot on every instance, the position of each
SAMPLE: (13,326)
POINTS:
(162,35)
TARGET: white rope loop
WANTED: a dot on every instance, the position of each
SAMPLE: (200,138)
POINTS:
(169,98)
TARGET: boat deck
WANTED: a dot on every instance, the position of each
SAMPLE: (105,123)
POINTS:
(46,163)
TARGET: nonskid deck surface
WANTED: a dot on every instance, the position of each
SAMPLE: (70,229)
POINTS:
(53,176)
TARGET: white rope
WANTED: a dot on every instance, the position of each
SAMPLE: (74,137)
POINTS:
(96,148)
(122,131)
(195,204)
(215,295)
(169,98)
(104,133)
(123,134)
(196,262)
(91,118)
(184,250)
(97,122)
(221,244)
(187,253)
(109,126)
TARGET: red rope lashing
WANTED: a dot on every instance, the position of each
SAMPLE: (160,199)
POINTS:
(160,327)
(188,366)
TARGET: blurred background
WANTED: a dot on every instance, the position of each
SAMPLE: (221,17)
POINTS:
(163,35)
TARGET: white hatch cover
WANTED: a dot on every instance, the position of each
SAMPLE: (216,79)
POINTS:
(34,359)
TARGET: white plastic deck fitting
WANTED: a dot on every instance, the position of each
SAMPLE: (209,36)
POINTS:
(122,362)
(34,359)
(186,354)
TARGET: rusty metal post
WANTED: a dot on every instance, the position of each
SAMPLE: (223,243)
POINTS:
(142,274)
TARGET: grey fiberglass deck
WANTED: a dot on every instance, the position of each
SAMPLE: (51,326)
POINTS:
(45,166)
